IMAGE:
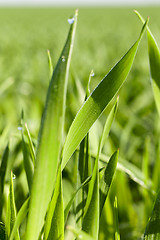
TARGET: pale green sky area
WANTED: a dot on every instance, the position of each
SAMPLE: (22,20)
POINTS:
(77,2)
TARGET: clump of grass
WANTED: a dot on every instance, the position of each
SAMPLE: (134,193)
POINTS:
(46,212)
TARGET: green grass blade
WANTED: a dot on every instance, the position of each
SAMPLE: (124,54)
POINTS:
(152,231)
(11,210)
(117,235)
(54,225)
(108,124)
(98,100)
(3,169)
(19,218)
(134,172)
(154,60)
(30,144)
(50,141)
(107,178)
(50,63)
(90,222)
(28,164)
(69,204)
(80,235)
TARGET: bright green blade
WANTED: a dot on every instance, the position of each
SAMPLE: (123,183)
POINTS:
(30,144)
(54,224)
(19,218)
(11,210)
(107,178)
(98,100)
(133,171)
(50,140)
(3,169)
(117,235)
(152,231)
(80,235)
(154,60)
(28,164)
(50,63)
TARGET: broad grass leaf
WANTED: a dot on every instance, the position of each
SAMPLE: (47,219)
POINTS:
(98,100)
(50,141)
(19,218)
(107,178)
(154,60)
(152,231)
(11,210)
(3,168)
(80,235)
(54,224)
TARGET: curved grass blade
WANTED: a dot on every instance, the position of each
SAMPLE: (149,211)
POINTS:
(98,100)
(81,235)
(107,178)
(154,60)
(50,141)
(54,225)
(152,231)
(19,218)
(3,169)
(11,210)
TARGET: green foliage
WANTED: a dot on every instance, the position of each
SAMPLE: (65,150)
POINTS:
(64,183)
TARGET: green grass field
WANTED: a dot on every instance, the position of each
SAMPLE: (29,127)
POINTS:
(103,36)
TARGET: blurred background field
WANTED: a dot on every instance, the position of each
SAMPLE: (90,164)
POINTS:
(103,36)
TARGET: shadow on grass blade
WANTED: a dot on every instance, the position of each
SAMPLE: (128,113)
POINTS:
(54,224)
(50,141)
(152,231)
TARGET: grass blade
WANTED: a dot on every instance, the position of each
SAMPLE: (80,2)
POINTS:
(69,204)
(80,235)
(54,225)
(117,235)
(152,231)
(3,169)
(98,100)
(107,178)
(51,133)
(50,63)
(20,216)
(90,222)
(28,164)
(30,144)
(154,60)
(11,210)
